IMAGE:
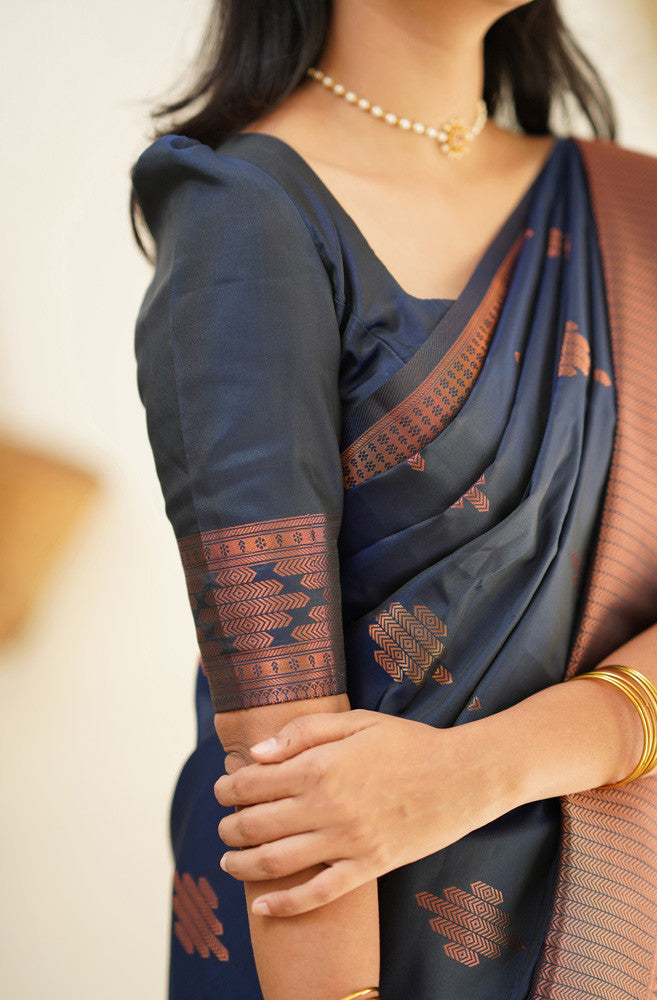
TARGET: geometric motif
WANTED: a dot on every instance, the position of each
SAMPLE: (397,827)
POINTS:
(575,352)
(605,900)
(266,603)
(475,496)
(418,419)
(410,644)
(558,244)
(601,376)
(416,462)
(473,921)
(197,927)
(576,356)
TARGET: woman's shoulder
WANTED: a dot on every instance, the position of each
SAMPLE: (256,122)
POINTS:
(244,179)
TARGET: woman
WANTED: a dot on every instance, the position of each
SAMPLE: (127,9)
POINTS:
(397,405)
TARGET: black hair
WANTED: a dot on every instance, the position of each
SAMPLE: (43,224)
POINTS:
(253,55)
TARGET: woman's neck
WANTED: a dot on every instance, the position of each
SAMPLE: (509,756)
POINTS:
(421,59)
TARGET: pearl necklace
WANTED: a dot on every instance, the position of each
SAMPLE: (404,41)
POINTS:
(454,138)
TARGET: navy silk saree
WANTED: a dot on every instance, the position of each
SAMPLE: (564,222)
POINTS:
(372,492)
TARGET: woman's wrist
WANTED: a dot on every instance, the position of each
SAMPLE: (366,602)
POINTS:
(567,738)
(491,775)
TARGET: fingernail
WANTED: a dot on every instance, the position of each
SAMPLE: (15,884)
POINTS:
(222,863)
(266,746)
(261,908)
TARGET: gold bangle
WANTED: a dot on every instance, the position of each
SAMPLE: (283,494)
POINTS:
(646,721)
(647,691)
(645,711)
(643,695)
(372,994)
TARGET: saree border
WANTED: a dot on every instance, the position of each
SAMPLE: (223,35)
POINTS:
(608,858)
(267,608)
(411,424)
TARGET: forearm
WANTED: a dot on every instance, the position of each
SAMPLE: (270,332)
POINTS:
(321,955)
(573,736)
(333,950)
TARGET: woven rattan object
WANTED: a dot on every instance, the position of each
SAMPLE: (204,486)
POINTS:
(41,499)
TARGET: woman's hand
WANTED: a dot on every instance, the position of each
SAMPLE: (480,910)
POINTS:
(359,792)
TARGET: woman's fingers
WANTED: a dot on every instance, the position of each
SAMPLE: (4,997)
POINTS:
(308,731)
(285,769)
(268,782)
(336,880)
(273,861)
(257,783)
(262,824)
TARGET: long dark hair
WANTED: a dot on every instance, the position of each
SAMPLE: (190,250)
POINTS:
(253,55)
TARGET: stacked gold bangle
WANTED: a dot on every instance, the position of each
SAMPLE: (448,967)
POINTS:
(643,695)
(370,994)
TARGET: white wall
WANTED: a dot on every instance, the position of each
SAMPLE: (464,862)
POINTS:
(96,699)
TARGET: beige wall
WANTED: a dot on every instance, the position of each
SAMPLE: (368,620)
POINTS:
(96,699)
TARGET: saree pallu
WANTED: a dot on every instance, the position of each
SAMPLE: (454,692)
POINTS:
(412,500)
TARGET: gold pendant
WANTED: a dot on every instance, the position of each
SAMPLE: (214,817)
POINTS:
(458,140)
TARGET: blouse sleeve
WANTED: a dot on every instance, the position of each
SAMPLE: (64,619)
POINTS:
(238,350)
